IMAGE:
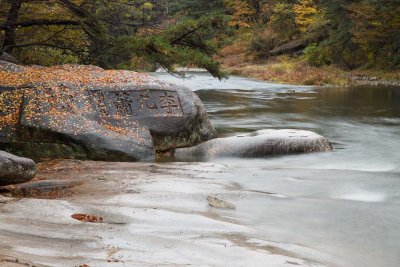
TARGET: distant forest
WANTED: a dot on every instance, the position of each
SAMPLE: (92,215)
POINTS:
(139,34)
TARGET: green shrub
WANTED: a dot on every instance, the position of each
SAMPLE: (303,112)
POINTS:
(317,55)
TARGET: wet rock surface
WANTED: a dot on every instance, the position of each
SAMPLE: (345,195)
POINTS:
(47,189)
(86,112)
(219,203)
(258,144)
(135,214)
(15,169)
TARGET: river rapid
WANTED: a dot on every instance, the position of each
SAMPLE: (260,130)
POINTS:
(344,204)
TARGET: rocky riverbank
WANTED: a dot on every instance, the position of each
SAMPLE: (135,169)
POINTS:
(85,213)
(135,214)
(295,71)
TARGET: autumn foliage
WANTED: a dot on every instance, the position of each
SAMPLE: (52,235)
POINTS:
(71,74)
(348,34)
(117,34)
(87,218)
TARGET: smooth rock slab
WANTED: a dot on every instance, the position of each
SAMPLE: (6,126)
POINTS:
(14,170)
(151,215)
(258,144)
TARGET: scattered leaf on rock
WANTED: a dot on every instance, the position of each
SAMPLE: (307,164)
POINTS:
(87,218)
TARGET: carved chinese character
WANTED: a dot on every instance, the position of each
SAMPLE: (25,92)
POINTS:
(99,99)
(123,103)
(144,102)
(135,103)
(168,102)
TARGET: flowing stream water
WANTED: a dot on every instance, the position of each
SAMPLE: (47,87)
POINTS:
(344,204)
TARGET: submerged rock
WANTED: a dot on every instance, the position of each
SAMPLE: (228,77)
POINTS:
(219,203)
(14,170)
(258,144)
(87,112)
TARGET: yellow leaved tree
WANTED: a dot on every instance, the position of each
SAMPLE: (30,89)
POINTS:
(305,14)
(244,12)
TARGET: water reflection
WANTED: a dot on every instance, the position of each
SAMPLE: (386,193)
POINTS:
(270,109)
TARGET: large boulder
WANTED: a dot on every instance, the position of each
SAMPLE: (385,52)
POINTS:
(87,112)
(257,144)
(14,170)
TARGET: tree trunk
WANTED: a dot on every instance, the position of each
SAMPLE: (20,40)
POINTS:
(9,33)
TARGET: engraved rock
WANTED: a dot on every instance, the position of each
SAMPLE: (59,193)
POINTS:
(91,113)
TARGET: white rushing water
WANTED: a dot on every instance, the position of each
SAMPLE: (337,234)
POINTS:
(344,204)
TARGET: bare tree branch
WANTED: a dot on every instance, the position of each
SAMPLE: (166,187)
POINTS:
(37,22)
